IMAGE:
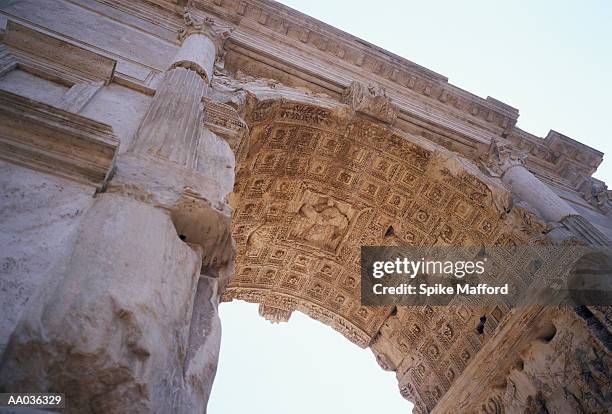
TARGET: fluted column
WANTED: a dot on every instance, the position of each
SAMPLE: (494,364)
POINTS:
(171,126)
(128,323)
(503,162)
(525,185)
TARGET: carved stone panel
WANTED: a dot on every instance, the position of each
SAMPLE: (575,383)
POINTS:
(371,100)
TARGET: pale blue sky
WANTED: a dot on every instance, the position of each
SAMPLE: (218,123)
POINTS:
(299,367)
(551,59)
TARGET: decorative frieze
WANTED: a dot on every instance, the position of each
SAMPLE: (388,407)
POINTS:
(224,120)
(301,28)
(274,315)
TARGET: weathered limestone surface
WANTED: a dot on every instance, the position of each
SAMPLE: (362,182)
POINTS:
(562,369)
(115,323)
(33,87)
(79,95)
(131,127)
(120,107)
(39,219)
(204,341)
(553,372)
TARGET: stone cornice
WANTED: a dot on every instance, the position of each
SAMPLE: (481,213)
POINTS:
(37,52)
(422,94)
(130,72)
(336,75)
(557,157)
(325,57)
(291,30)
(289,26)
(53,140)
(309,74)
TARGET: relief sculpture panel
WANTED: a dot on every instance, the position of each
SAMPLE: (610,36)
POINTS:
(321,222)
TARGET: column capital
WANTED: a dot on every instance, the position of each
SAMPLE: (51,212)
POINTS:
(501,157)
(201,43)
(214,31)
(502,160)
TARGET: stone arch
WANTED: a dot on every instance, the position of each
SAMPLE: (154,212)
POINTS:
(315,181)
